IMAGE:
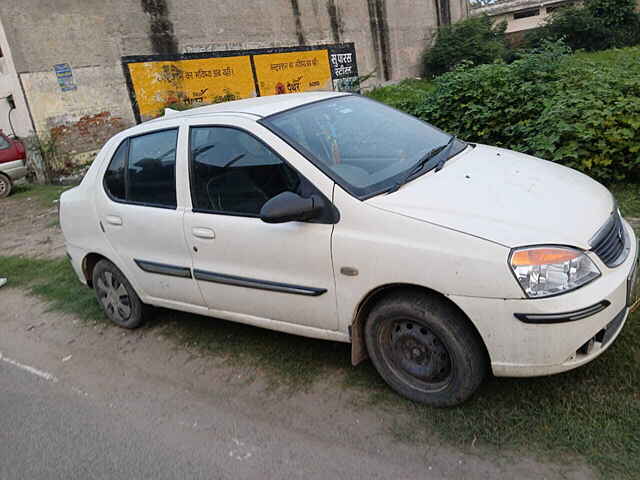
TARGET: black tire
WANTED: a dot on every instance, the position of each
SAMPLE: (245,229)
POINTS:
(116,296)
(5,186)
(425,349)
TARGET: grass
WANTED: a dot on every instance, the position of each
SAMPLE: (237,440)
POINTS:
(592,412)
(613,56)
(46,195)
(404,91)
(288,361)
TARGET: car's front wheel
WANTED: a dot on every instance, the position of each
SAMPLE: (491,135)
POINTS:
(425,349)
(5,186)
(116,296)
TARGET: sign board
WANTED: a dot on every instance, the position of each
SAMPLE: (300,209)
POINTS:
(65,77)
(293,72)
(159,81)
(190,82)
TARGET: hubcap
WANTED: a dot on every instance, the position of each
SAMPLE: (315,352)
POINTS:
(3,186)
(114,297)
(414,351)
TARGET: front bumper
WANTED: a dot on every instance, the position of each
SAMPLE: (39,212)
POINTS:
(520,349)
(76,256)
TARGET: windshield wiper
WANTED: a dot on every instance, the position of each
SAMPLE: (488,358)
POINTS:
(445,157)
(421,163)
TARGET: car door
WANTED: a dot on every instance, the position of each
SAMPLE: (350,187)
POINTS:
(7,150)
(140,216)
(266,272)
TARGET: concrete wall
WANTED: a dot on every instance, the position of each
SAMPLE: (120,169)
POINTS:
(92,35)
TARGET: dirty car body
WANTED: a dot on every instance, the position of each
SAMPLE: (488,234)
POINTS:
(331,216)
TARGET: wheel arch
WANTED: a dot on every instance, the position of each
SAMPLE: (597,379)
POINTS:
(88,264)
(358,347)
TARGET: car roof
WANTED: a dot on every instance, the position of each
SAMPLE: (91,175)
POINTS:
(256,106)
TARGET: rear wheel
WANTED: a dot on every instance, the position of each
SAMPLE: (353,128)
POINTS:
(5,186)
(116,296)
(425,349)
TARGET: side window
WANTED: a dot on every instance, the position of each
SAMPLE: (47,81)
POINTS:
(114,176)
(151,168)
(143,169)
(4,143)
(233,172)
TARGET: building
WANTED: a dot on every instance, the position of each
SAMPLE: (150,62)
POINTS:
(520,15)
(79,70)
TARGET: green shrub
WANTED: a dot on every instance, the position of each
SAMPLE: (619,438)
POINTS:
(598,25)
(614,13)
(474,39)
(404,94)
(564,108)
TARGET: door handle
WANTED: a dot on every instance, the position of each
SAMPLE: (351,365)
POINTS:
(202,232)
(114,220)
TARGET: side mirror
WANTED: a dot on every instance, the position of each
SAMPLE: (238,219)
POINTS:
(290,207)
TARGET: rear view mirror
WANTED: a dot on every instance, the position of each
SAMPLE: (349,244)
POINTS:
(290,207)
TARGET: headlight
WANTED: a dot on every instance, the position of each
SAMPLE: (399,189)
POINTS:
(545,271)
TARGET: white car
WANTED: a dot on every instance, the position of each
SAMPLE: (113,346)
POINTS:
(332,216)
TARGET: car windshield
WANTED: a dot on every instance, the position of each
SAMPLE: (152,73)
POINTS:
(365,146)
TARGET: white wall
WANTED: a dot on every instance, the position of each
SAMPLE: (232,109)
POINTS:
(10,85)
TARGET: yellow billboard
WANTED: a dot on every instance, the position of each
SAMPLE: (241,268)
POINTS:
(158,84)
(292,72)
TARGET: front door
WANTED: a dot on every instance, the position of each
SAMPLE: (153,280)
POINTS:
(278,272)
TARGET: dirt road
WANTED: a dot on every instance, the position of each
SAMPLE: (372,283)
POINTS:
(89,400)
(29,226)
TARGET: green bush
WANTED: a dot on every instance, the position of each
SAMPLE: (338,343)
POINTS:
(474,40)
(565,108)
(598,25)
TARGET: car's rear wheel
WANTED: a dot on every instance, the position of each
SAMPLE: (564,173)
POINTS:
(5,186)
(425,349)
(117,297)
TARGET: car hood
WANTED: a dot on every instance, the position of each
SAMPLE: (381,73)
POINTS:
(505,197)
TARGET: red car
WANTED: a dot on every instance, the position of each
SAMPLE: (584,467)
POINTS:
(13,163)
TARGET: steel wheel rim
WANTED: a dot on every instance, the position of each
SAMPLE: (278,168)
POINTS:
(3,186)
(114,297)
(416,354)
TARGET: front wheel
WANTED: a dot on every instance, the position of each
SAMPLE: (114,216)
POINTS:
(117,297)
(425,349)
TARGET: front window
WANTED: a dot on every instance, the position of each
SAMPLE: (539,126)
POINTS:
(234,173)
(363,145)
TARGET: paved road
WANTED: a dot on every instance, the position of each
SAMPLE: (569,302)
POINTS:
(83,401)
(48,433)
(51,431)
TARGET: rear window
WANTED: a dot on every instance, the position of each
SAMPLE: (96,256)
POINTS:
(142,171)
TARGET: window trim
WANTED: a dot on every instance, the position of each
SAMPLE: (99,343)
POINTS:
(265,122)
(126,171)
(328,203)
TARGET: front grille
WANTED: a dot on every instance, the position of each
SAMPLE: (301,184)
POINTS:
(609,242)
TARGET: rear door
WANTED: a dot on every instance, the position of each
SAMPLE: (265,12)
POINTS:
(8,152)
(140,215)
